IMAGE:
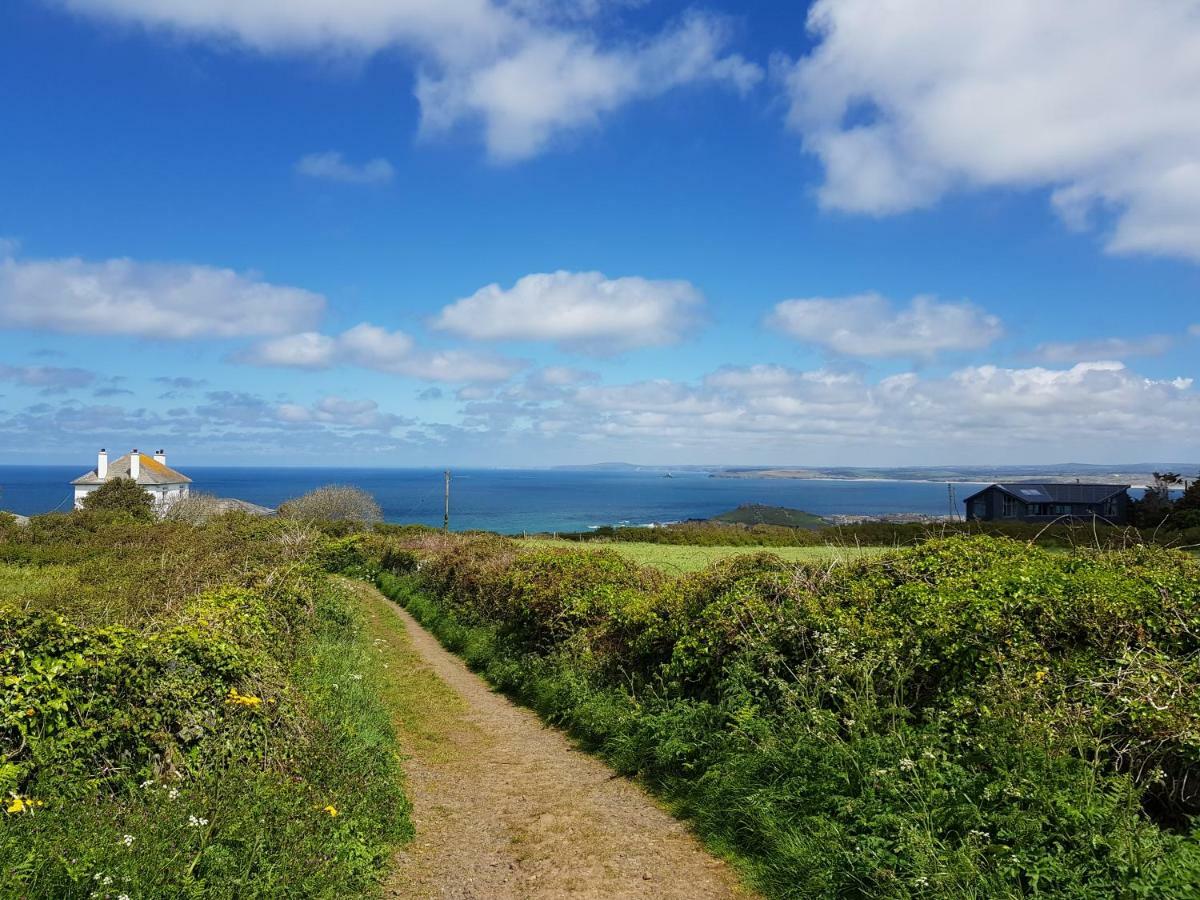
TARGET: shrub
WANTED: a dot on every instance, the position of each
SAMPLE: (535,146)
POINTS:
(195,509)
(969,717)
(175,730)
(121,495)
(334,503)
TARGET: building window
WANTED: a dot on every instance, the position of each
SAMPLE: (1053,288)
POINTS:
(1011,507)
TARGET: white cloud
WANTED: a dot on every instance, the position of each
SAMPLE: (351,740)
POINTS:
(1194,331)
(1093,99)
(152,300)
(581,310)
(1104,349)
(371,347)
(332,167)
(339,412)
(523,74)
(867,325)
(560,81)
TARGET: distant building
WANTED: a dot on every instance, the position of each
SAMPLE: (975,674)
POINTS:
(1022,502)
(164,484)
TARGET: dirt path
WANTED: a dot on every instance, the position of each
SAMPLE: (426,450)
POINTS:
(505,807)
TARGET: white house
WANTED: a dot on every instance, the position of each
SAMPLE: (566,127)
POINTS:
(164,484)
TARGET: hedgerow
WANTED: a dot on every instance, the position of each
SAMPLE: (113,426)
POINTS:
(205,732)
(890,534)
(970,717)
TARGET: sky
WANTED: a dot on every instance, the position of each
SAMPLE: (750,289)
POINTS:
(526,233)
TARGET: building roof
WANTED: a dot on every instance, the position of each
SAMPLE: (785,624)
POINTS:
(150,471)
(1053,492)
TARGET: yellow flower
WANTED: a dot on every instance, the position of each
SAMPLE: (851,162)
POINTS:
(242,699)
(1040,674)
(18,804)
(332,810)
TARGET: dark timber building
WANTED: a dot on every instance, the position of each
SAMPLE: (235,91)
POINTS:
(1022,502)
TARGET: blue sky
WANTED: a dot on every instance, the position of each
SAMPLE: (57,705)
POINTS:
(468,232)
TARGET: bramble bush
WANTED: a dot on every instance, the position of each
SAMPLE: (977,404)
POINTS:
(969,717)
(186,711)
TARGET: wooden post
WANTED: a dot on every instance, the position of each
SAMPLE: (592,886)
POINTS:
(446,517)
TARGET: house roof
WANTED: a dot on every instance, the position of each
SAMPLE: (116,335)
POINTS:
(150,471)
(1053,492)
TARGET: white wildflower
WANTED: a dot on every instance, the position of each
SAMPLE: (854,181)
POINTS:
(356,677)
(173,794)
(127,840)
(148,782)
(197,821)
(907,764)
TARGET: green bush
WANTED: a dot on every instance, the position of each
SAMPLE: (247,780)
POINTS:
(970,717)
(121,496)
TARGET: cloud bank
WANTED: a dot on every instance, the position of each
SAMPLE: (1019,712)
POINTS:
(371,347)
(151,300)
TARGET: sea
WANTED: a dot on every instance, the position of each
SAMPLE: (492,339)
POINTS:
(515,501)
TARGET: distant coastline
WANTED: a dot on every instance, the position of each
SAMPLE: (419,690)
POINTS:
(1137,474)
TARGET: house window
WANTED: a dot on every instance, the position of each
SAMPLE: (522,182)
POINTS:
(1011,507)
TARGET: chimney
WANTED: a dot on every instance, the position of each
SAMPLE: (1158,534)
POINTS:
(102,464)
(135,465)
(160,456)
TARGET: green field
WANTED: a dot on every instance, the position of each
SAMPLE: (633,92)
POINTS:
(676,558)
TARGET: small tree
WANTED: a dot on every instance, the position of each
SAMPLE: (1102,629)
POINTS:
(121,495)
(1190,501)
(333,503)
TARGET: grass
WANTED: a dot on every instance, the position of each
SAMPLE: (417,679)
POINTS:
(678,559)
(424,710)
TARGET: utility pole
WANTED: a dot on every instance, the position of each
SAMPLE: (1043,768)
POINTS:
(446,517)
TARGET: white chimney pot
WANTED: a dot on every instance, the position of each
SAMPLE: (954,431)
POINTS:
(161,457)
(102,464)
(135,465)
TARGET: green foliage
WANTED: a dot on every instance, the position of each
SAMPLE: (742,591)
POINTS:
(121,496)
(188,747)
(875,534)
(760,514)
(971,717)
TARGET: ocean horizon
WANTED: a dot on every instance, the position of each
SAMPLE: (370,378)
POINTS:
(513,501)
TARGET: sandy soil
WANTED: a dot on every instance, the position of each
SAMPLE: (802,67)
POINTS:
(505,807)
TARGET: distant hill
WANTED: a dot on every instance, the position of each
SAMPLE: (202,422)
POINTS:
(759,514)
